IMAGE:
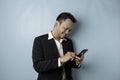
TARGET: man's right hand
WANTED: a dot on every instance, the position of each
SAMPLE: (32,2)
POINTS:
(68,56)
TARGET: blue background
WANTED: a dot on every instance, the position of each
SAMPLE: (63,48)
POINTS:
(98,29)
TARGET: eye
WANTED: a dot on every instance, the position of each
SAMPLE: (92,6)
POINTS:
(65,28)
(69,30)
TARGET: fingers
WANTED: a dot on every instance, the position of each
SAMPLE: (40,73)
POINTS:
(67,56)
(78,60)
(82,56)
(76,57)
(72,56)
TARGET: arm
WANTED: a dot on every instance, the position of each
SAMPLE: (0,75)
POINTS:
(39,62)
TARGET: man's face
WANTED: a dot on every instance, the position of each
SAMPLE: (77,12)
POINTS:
(64,28)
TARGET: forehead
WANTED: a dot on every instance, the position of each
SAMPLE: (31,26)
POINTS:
(67,23)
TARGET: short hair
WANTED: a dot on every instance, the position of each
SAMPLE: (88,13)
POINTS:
(65,15)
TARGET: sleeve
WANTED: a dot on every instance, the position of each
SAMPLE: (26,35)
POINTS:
(39,62)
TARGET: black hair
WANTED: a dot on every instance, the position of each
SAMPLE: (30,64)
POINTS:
(65,15)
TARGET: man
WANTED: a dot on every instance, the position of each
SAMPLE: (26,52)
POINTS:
(53,55)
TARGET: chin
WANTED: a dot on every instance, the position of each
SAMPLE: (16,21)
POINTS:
(62,37)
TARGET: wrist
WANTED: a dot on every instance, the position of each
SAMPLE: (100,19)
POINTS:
(61,60)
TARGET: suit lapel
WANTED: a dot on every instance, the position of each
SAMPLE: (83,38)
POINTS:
(65,48)
(53,46)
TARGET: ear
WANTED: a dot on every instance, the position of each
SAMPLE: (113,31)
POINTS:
(57,24)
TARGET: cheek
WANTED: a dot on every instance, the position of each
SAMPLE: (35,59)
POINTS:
(62,30)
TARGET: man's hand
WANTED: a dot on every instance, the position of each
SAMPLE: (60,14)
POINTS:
(68,56)
(78,60)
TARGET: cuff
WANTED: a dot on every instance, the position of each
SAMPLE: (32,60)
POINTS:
(79,65)
(59,63)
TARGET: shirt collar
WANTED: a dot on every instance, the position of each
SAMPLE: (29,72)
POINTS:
(50,36)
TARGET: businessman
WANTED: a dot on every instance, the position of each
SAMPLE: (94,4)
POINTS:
(53,54)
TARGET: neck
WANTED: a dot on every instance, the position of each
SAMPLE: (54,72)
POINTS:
(54,33)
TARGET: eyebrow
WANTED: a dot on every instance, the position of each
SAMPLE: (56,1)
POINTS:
(67,28)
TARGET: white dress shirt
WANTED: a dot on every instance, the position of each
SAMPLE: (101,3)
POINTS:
(59,46)
(60,50)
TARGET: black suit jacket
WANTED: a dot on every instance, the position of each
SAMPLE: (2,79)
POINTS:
(45,58)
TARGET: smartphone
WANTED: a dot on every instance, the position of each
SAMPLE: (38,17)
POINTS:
(83,51)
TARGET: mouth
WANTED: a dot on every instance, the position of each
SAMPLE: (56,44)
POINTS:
(64,35)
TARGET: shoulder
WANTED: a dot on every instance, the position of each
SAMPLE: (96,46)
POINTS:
(41,37)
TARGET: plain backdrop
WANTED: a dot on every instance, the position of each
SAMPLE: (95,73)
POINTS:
(98,29)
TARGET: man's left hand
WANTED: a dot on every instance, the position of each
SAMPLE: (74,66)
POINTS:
(78,60)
